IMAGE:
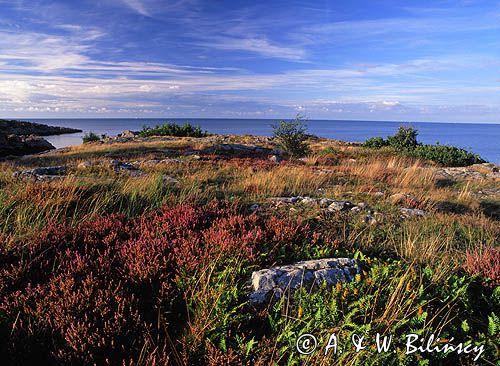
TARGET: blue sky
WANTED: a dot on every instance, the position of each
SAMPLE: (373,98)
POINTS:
(371,60)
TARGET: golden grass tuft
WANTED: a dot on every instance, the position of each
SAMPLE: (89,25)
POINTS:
(284,181)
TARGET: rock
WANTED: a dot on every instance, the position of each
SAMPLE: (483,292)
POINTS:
(412,212)
(378,194)
(339,206)
(128,134)
(192,154)
(277,281)
(489,166)
(84,164)
(22,145)
(356,209)
(254,207)
(241,149)
(275,158)
(370,220)
(149,162)
(22,128)
(167,179)
(362,205)
(121,167)
(486,192)
(308,201)
(325,202)
(285,199)
(158,161)
(473,172)
(43,173)
(405,199)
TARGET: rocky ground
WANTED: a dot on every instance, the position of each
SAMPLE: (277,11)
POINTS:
(12,127)
(22,138)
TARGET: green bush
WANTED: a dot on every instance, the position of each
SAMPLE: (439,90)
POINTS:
(445,155)
(405,142)
(90,137)
(375,142)
(292,137)
(173,129)
(405,138)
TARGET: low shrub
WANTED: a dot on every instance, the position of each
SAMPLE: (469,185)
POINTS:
(375,142)
(94,293)
(445,155)
(292,137)
(173,129)
(90,137)
(405,142)
(485,262)
(404,138)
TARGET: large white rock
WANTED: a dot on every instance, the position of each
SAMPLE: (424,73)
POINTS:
(275,281)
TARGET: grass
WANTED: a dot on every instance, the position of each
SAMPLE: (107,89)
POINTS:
(101,266)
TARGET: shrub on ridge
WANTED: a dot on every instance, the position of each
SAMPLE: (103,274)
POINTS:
(173,129)
(405,142)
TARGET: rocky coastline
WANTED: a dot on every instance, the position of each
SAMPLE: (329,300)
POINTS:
(24,138)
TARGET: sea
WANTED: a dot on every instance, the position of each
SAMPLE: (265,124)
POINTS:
(480,138)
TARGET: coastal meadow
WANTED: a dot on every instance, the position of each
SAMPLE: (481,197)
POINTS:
(142,254)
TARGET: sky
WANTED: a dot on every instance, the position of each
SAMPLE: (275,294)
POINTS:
(365,60)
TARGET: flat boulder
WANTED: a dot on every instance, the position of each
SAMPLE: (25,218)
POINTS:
(276,281)
(407,213)
(122,167)
(128,134)
(404,199)
(340,206)
(42,173)
(240,149)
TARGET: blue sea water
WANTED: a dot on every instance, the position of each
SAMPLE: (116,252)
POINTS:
(482,139)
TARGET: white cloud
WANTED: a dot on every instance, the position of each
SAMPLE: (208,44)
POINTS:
(54,73)
(138,6)
(258,45)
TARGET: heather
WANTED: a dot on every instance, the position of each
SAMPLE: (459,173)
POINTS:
(142,253)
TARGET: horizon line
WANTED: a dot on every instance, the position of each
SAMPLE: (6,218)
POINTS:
(305,120)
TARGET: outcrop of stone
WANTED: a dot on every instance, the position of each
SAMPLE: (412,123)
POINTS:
(42,174)
(57,172)
(476,171)
(30,128)
(238,149)
(9,127)
(22,138)
(277,281)
(22,145)
(326,203)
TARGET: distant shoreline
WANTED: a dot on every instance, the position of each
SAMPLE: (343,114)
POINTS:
(22,137)
(479,138)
